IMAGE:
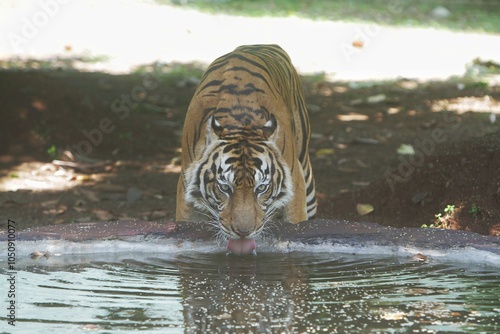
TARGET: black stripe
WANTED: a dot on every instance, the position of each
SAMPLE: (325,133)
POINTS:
(230,89)
(278,178)
(310,188)
(308,174)
(311,202)
(254,74)
(233,90)
(257,163)
(304,121)
(248,60)
(213,67)
(196,136)
(212,83)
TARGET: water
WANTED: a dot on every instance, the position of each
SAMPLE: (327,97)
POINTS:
(276,292)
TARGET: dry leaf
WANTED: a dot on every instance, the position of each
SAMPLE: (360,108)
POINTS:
(9,203)
(103,214)
(348,170)
(364,209)
(50,203)
(358,43)
(127,217)
(83,177)
(158,214)
(90,195)
(324,151)
(406,149)
(56,211)
(360,183)
(79,209)
(109,187)
(82,219)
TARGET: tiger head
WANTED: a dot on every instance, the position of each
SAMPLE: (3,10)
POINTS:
(241,182)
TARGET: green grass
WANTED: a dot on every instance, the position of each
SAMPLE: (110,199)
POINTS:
(52,152)
(173,72)
(466,15)
(67,63)
(442,218)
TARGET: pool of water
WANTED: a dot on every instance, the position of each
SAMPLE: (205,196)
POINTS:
(274,292)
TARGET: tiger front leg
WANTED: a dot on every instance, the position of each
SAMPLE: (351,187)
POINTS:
(182,210)
(297,209)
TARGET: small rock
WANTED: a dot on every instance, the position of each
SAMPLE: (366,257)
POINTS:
(356,102)
(133,194)
(492,118)
(38,254)
(369,141)
(420,257)
(440,12)
(312,108)
(158,214)
(418,198)
(376,98)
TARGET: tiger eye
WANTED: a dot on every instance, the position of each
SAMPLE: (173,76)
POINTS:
(224,187)
(261,188)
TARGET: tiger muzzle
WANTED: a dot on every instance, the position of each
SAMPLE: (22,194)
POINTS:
(243,217)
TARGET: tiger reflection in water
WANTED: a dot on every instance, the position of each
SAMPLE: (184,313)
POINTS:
(250,296)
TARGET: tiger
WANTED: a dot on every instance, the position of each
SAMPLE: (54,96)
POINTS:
(245,159)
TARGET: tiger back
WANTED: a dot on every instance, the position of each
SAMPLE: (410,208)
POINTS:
(245,140)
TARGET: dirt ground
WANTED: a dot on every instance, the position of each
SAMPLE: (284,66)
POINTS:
(79,147)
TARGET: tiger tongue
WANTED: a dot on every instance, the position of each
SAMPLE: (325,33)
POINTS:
(241,246)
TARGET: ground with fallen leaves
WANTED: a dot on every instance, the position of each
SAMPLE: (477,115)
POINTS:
(79,147)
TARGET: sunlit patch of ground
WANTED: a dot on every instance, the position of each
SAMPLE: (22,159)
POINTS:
(357,127)
(118,35)
(461,105)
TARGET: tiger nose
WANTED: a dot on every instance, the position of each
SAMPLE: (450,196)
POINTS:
(241,233)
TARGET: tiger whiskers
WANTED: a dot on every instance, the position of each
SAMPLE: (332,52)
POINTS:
(220,237)
(212,220)
(266,231)
(209,212)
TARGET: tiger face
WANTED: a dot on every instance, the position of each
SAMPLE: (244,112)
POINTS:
(240,182)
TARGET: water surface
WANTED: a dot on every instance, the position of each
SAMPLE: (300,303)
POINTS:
(288,292)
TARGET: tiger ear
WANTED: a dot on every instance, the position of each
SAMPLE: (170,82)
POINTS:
(270,127)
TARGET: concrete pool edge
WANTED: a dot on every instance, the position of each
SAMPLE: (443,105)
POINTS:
(312,236)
